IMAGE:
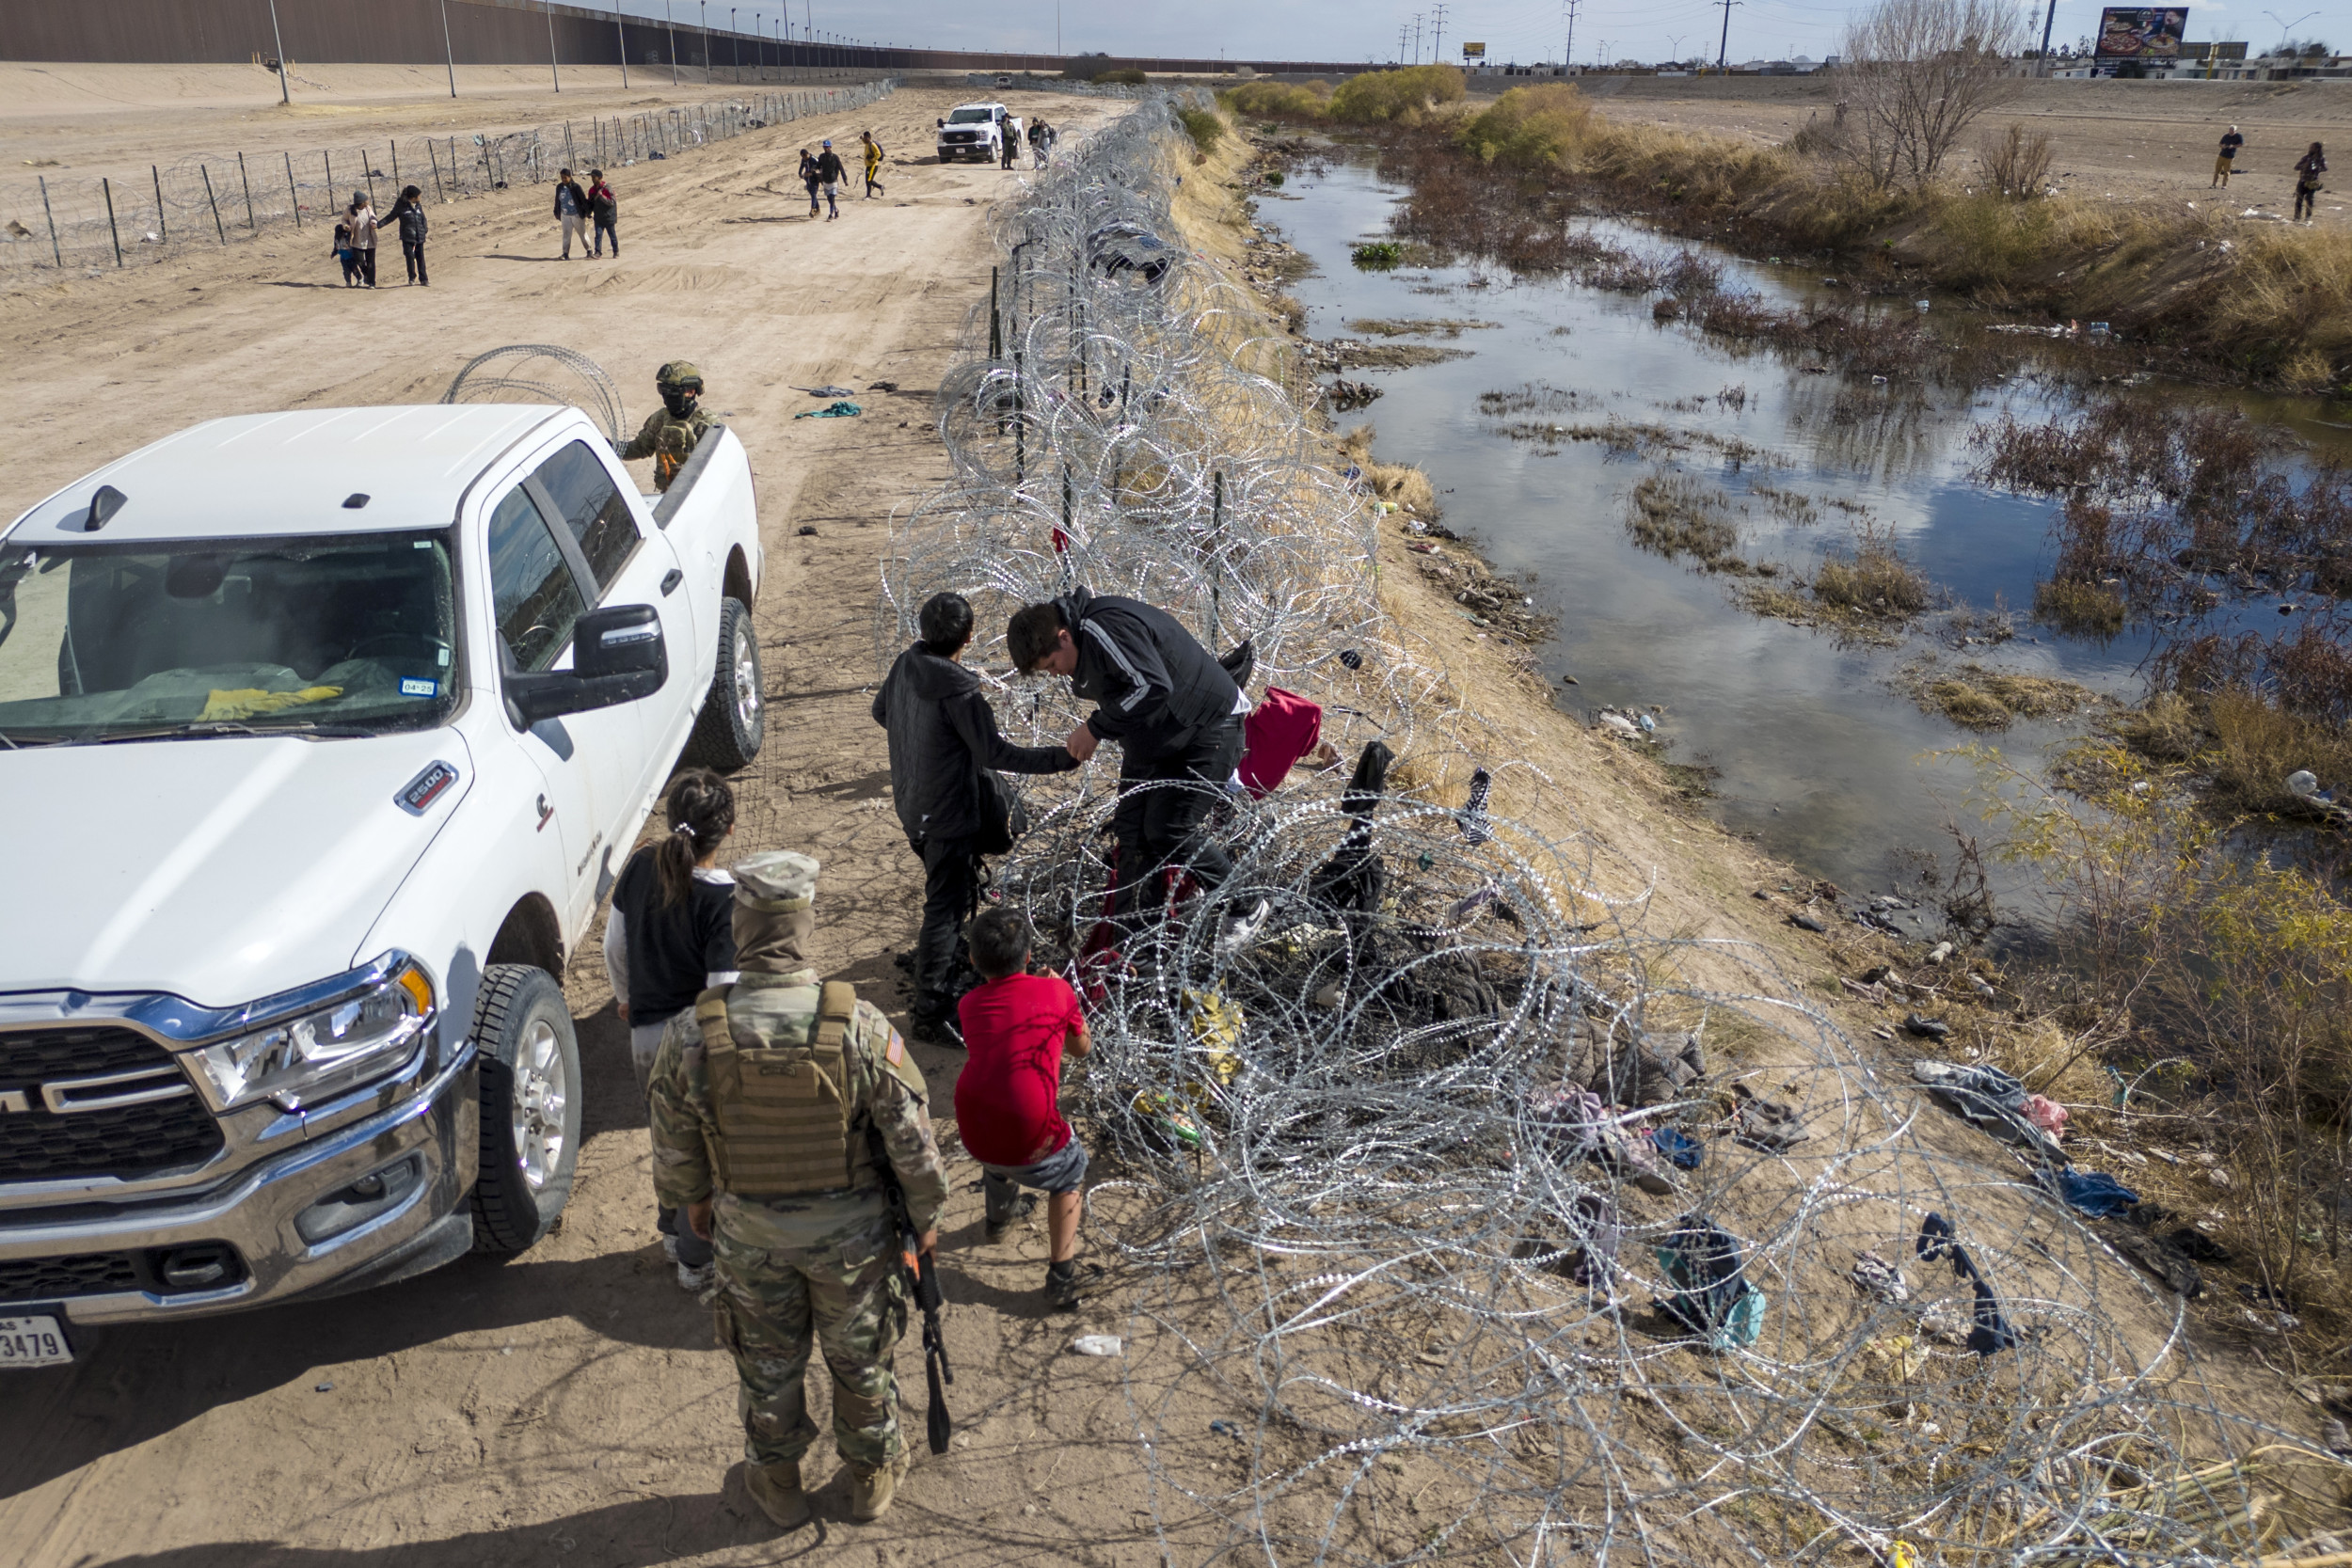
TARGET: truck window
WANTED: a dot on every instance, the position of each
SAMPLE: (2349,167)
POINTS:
(599,520)
(335,633)
(971,117)
(531,588)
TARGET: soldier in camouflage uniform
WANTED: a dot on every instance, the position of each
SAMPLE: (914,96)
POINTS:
(671,432)
(760,1102)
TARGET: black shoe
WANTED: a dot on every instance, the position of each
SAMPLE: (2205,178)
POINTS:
(938,1031)
(1023,1207)
(1061,1287)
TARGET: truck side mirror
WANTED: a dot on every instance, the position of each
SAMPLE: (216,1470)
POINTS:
(618,656)
(941,124)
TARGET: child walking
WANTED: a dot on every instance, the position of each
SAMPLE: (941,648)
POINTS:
(348,257)
(1016,1026)
(670,936)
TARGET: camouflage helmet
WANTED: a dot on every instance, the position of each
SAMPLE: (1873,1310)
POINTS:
(679,375)
(779,876)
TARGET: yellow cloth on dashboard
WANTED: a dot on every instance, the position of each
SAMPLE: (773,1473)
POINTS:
(246,703)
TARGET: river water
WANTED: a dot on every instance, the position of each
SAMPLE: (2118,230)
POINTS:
(1822,758)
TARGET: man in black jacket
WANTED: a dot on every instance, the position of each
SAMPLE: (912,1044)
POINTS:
(1177,715)
(942,734)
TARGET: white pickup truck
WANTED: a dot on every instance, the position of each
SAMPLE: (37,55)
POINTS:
(324,734)
(977,131)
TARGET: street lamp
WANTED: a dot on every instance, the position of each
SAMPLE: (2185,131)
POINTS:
(447,48)
(621,34)
(2286,27)
(551,71)
(735,46)
(671,24)
(283,96)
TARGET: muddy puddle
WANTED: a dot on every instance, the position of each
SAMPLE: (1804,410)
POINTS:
(1571,400)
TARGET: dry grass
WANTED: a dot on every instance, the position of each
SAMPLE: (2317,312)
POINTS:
(1675,515)
(1875,582)
(1981,698)
(1399,484)
(2256,745)
(2079,609)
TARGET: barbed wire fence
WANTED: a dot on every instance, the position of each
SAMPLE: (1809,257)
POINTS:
(218,199)
(1476,1212)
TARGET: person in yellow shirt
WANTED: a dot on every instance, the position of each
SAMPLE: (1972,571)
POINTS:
(873,163)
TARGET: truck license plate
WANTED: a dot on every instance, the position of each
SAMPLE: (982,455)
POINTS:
(33,1342)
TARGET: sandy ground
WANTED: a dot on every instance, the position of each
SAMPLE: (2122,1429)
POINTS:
(2127,140)
(566,1406)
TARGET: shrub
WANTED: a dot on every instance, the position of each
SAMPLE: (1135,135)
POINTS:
(1378,97)
(1126,77)
(1874,581)
(1529,128)
(1378,255)
(2017,165)
(1279,100)
(1203,126)
(2079,609)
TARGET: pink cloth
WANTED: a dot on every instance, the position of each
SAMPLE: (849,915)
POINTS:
(1276,733)
(2048,1115)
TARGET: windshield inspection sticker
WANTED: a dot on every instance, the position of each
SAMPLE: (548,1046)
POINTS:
(411,686)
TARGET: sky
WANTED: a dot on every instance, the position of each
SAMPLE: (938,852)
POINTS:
(1523,31)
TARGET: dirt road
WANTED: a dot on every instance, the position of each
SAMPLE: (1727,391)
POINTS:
(567,1408)
(2110,139)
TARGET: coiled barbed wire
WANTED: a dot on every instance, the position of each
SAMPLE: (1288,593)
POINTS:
(1391,1194)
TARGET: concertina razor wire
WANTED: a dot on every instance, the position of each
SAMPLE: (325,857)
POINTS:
(1423,1280)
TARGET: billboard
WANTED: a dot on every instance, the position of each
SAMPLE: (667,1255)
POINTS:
(1473,51)
(2141,32)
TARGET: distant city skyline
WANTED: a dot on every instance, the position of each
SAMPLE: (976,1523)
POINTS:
(1514,31)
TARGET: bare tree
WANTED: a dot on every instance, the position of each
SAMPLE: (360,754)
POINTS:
(1917,72)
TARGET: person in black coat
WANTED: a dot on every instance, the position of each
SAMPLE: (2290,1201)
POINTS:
(1176,713)
(942,734)
(408,213)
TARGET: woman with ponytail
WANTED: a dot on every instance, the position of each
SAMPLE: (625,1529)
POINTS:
(670,936)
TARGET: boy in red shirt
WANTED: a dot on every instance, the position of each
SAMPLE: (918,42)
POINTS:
(1015,1027)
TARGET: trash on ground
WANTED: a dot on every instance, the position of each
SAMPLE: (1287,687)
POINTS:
(1096,1344)
(844,410)
(1713,1296)
(828,392)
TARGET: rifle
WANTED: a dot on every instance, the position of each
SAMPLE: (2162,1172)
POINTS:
(923,1283)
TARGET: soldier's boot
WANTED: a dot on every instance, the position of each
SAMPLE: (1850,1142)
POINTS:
(776,1488)
(871,1490)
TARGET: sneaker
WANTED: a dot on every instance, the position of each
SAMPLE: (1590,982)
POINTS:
(1061,1290)
(776,1488)
(871,1490)
(697,1280)
(942,1030)
(1022,1210)
(1240,930)
(669,1247)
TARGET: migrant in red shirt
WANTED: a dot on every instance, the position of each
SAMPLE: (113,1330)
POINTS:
(1006,1097)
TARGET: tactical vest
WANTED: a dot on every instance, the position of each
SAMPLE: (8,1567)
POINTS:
(783,1107)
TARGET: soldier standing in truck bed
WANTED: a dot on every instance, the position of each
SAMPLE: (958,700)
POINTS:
(760,1104)
(671,432)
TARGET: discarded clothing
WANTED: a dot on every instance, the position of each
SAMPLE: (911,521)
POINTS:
(1578,1122)
(2095,1193)
(1712,1295)
(1765,1124)
(2200,1247)
(2048,1115)
(1352,878)
(1280,729)
(2159,1256)
(833,411)
(1988,1098)
(832,391)
(1874,1275)
(1643,1070)
(1681,1150)
(1472,817)
(1593,1227)
(1991,1331)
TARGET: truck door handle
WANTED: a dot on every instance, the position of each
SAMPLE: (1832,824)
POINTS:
(669,579)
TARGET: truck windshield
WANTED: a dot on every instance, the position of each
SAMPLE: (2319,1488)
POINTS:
(342,634)
(970,117)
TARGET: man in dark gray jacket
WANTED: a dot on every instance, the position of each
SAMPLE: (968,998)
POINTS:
(1176,714)
(942,734)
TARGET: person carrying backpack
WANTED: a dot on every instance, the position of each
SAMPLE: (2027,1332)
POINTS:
(943,732)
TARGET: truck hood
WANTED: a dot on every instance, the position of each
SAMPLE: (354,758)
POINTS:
(221,870)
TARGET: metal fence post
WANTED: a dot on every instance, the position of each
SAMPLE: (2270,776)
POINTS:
(327,160)
(162,234)
(394,145)
(434,159)
(217,227)
(107,186)
(55,253)
(293,192)
(367,167)
(247,181)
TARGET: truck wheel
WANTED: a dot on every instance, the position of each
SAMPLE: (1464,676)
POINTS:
(531,1103)
(735,716)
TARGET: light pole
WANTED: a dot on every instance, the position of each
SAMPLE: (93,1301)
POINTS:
(705,30)
(735,46)
(283,96)
(447,48)
(2286,27)
(622,34)
(1723,52)
(669,23)
(551,71)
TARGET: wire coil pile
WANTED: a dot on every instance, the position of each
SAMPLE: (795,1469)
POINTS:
(1469,1216)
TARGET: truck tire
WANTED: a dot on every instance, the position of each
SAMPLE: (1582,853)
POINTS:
(734,718)
(531,1103)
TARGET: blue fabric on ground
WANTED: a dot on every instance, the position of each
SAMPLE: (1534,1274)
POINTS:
(1681,1150)
(2095,1193)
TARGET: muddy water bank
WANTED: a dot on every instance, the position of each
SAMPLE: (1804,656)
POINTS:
(1576,404)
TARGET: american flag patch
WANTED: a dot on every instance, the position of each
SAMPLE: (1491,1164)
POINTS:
(898,1051)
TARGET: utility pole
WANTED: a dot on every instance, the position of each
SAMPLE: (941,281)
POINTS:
(1567,50)
(619,32)
(1723,52)
(706,4)
(1404,29)
(1436,40)
(283,96)
(1417,38)
(448,49)
(1600,60)
(735,46)
(552,70)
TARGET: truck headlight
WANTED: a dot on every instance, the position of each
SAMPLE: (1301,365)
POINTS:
(306,1056)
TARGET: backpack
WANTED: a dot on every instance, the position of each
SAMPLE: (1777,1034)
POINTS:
(1004,817)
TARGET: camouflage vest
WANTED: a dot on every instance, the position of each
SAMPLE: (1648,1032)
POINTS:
(777,1062)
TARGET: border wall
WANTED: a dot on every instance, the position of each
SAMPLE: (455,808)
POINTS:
(493,32)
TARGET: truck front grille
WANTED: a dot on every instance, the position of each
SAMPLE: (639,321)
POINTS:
(160,1271)
(38,1144)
